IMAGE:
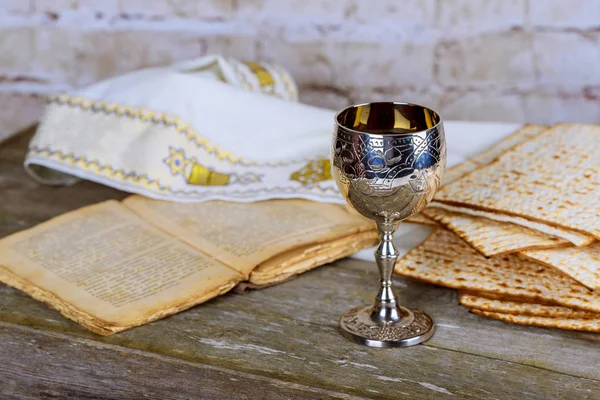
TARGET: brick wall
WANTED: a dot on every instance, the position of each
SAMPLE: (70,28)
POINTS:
(503,60)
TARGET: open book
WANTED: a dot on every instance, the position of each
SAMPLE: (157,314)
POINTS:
(116,265)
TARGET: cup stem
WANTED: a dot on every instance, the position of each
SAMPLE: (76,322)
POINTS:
(386,307)
(386,323)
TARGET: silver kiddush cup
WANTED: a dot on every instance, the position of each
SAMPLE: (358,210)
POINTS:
(387,159)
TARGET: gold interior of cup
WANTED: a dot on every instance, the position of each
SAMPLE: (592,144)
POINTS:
(387,118)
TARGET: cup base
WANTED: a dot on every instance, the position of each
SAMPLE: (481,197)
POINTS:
(358,326)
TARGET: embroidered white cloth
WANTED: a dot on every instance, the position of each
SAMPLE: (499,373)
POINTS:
(206,129)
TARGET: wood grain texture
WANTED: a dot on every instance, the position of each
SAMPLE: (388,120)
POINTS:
(59,366)
(280,340)
(289,333)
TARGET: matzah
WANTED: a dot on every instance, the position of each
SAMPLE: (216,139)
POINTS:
(489,155)
(526,132)
(420,219)
(574,324)
(490,237)
(577,238)
(580,263)
(519,308)
(444,259)
(554,178)
(495,296)
(459,170)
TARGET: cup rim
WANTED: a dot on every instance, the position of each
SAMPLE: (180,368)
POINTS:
(403,103)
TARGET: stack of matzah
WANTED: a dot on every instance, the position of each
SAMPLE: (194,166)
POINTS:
(520,225)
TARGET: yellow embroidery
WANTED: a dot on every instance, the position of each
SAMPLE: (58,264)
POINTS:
(99,168)
(146,181)
(266,80)
(201,175)
(157,118)
(182,127)
(313,172)
(288,83)
(176,161)
(264,77)
(198,174)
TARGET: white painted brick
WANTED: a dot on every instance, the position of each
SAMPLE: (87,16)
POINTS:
(141,49)
(210,9)
(15,50)
(307,62)
(567,58)
(18,112)
(429,97)
(461,57)
(353,65)
(332,98)
(482,106)
(80,58)
(499,59)
(75,58)
(406,12)
(565,14)
(490,14)
(324,97)
(240,47)
(109,7)
(384,65)
(19,6)
(550,109)
(294,10)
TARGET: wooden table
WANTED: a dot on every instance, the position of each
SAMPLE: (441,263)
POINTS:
(276,343)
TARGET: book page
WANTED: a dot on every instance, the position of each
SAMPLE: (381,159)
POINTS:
(293,262)
(242,235)
(109,270)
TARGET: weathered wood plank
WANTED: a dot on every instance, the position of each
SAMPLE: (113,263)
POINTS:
(289,333)
(34,365)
